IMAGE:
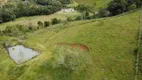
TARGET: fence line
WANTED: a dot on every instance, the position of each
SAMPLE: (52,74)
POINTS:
(139,45)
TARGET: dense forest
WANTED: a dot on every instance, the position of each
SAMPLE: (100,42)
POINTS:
(15,9)
(20,8)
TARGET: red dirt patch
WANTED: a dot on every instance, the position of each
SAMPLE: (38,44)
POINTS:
(80,46)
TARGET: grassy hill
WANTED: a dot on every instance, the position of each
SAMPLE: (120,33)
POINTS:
(111,42)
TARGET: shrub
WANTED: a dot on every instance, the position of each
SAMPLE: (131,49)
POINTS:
(1,19)
(40,23)
(30,28)
(89,17)
(1,33)
(70,59)
(86,13)
(55,21)
(46,23)
(69,19)
(78,18)
(140,60)
(17,30)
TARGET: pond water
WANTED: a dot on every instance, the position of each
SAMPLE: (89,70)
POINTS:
(20,54)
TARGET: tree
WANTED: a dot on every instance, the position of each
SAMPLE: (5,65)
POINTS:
(8,15)
(10,11)
(55,21)
(117,6)
(138,3)
(43,2)
(65,1)
(46,23)
(82,7)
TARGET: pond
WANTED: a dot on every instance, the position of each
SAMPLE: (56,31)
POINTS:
(20,54)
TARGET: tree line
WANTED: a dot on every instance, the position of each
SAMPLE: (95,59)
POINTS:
(12,10)
(19,30)
(115,7)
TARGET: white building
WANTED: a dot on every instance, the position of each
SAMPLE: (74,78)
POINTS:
(68,10)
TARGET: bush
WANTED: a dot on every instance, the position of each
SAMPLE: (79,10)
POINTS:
(1,33)
(86,13)
(70,59)
(46,23)
(69,19)
(17,30)
(30,28)
(135,51)
(78,18)
(55,21)
(40,23)
(89,17)
(1,19)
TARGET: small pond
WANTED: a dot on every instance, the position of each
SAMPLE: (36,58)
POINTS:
(20,54)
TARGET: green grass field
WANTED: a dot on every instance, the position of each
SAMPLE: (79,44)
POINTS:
(111,42)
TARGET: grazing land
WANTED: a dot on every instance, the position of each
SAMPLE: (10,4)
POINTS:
(111,46)
(78,45)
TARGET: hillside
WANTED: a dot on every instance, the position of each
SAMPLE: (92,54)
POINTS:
(111,42)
